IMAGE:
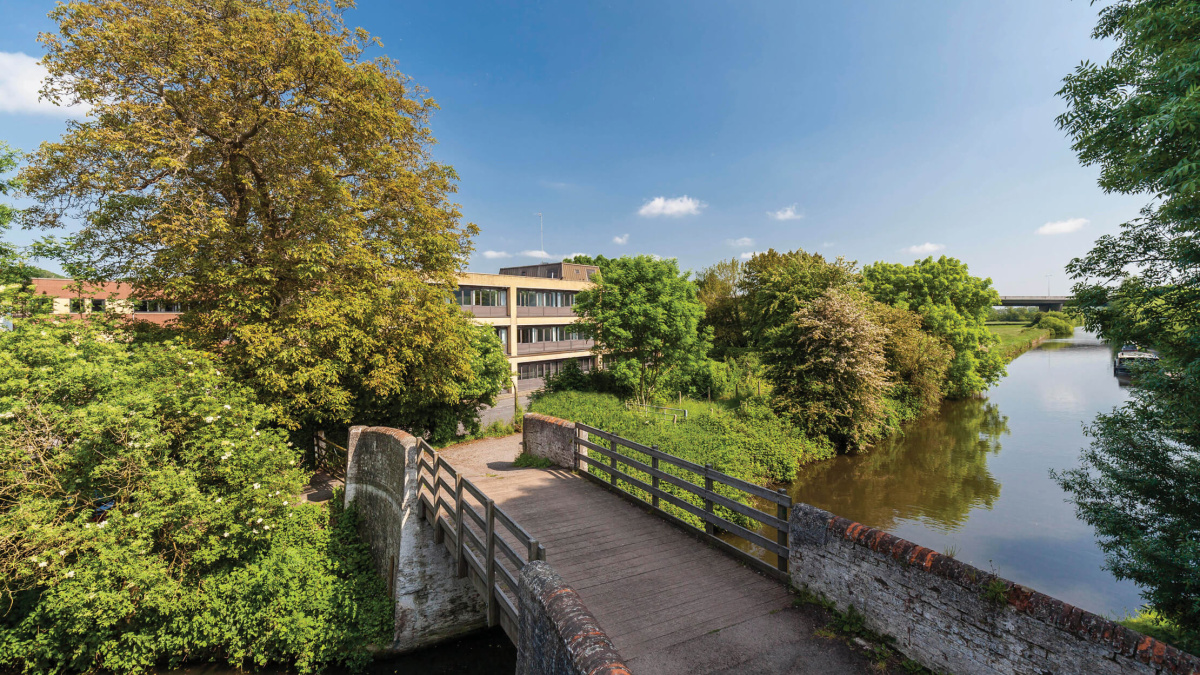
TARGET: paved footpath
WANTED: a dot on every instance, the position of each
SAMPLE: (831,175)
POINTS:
(669,603)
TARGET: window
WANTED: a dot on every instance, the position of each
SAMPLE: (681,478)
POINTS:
(158,306)
(482,297)
(97,304)
(545,299)
(502,333)
(77,305)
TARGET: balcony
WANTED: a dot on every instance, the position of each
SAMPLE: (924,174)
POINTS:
(485,311)
(525,348)
(544,311)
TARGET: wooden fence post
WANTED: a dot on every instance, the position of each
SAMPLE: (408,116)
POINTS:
(438,535)
(532,553)
(612,461)
(490,546)
(781,511)
(654,479)
(460,558)
(708,505)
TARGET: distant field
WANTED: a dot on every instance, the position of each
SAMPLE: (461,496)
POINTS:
(1015,338)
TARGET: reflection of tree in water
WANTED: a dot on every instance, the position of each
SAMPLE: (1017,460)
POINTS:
(936,471)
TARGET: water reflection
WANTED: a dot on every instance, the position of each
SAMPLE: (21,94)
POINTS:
(935,472)
(975,477)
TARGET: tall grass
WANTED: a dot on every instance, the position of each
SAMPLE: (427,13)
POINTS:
(749,443)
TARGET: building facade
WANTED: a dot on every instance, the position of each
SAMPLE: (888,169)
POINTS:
(67,297)
(531,309)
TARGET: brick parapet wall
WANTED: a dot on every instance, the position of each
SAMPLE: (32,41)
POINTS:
(549,437)
(557,633)
(431,602)
(952,617)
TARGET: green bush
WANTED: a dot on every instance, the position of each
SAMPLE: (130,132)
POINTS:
(149,517)
(750,443)
(1057,327)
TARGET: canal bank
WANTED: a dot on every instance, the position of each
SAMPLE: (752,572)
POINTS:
(973,481)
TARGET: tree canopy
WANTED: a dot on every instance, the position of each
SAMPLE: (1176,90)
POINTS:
(13,268)
(953,306)
(247,160)
(827,366)
(719,289)
(1134,117)
(644,316)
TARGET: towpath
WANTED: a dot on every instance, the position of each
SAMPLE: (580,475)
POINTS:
(669,604)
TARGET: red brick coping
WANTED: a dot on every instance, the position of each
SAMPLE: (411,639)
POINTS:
(1062,615)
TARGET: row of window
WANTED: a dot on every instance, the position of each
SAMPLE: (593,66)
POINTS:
(545,299)
(81,305)
(482,297)
(528,334)
(159,306)
(498,297)
(531,371)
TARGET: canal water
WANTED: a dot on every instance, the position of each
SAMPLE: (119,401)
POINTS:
(974,480)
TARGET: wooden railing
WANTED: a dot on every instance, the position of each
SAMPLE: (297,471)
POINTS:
(329,456)
(488,546)
(610,462)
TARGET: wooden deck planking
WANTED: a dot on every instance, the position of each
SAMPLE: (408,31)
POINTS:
(650,585)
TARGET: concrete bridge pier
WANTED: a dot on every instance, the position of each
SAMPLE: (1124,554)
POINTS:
(432,604)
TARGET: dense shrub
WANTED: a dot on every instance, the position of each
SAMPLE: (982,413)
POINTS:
(148,517)
(750,442)
(828,369)
(1057,327)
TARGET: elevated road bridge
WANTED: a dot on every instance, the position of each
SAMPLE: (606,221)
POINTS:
(1046,303)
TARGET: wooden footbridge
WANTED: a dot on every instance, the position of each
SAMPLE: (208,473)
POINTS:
(668,603)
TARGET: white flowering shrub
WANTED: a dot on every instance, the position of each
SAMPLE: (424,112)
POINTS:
(148,517)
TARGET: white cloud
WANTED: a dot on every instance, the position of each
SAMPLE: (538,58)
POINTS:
(786,213)
(749,254)
(829,243)
(740,243)
(622,240)
(672,208)
(20,78)
(536,254)
(490,255)
(924,249)
(1063,226)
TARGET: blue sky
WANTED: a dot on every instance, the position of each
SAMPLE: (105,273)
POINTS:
(858,129)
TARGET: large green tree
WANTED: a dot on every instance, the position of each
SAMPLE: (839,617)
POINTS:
(644,315)
(827,366)
(245,158)
(720,290)
(953,306)
(1136,117)
(775,285)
